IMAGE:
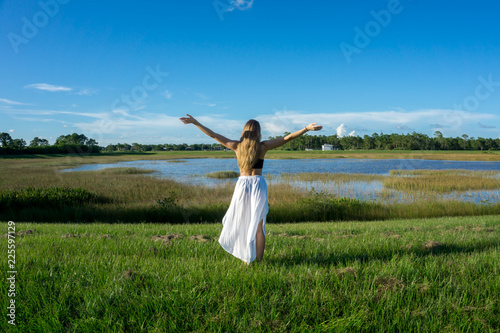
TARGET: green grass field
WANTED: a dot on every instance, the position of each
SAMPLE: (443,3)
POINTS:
(421,275)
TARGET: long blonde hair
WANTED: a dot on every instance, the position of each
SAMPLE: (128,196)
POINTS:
(249,146)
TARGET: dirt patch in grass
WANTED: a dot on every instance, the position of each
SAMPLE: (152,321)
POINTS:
(387,284)
(391,234)
(200,238)
(423,288)
(347,271)
(105,236)
(129,274)
(432,245)
(166,239)
(300,236)
(419,313)
(483,229)
(21,233)
(296,236)
(68,235)
(346,236)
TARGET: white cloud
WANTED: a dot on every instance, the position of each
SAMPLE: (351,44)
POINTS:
(167,94)
(11,131)
(372,121)
(11,102)
(240,4)
(352,133)
(48,87)
(341,131)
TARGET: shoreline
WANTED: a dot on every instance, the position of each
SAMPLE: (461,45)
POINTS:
(485,156)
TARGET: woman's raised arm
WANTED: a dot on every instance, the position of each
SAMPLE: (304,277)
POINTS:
(271,144)
(230,144)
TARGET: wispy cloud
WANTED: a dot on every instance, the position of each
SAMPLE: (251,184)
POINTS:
(206,104)
(48,87)
(167,94)
(404,128)
(436,126)
(485,126)
(240,5)
(10,102)
(126,114)
(85,92)
(35,112)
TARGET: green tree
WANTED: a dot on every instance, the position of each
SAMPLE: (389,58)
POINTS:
(18,144)
(37,142)
(75,139)
(5,139)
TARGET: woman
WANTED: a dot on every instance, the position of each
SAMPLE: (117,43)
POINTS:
(244,225)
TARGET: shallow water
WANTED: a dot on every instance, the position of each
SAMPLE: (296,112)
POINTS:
(193,171)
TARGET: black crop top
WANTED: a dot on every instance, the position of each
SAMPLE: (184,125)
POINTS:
(259,164)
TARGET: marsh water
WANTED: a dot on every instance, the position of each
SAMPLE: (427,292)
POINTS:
(193,171)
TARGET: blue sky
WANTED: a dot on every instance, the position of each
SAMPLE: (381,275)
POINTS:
(122,71)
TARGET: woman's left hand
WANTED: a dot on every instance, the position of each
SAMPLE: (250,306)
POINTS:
(313,127)
(188,120)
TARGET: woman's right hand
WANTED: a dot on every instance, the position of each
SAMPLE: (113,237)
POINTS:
(313,127)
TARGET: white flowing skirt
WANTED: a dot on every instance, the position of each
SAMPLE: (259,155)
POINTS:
(248,206)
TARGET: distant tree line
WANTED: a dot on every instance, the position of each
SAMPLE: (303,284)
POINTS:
(65,144)
(79,143)
(161,147)
(394,141)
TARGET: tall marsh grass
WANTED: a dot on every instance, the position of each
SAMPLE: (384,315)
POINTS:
(442,180)
(336,177)
(223,174)
(52,197)
(135,196)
